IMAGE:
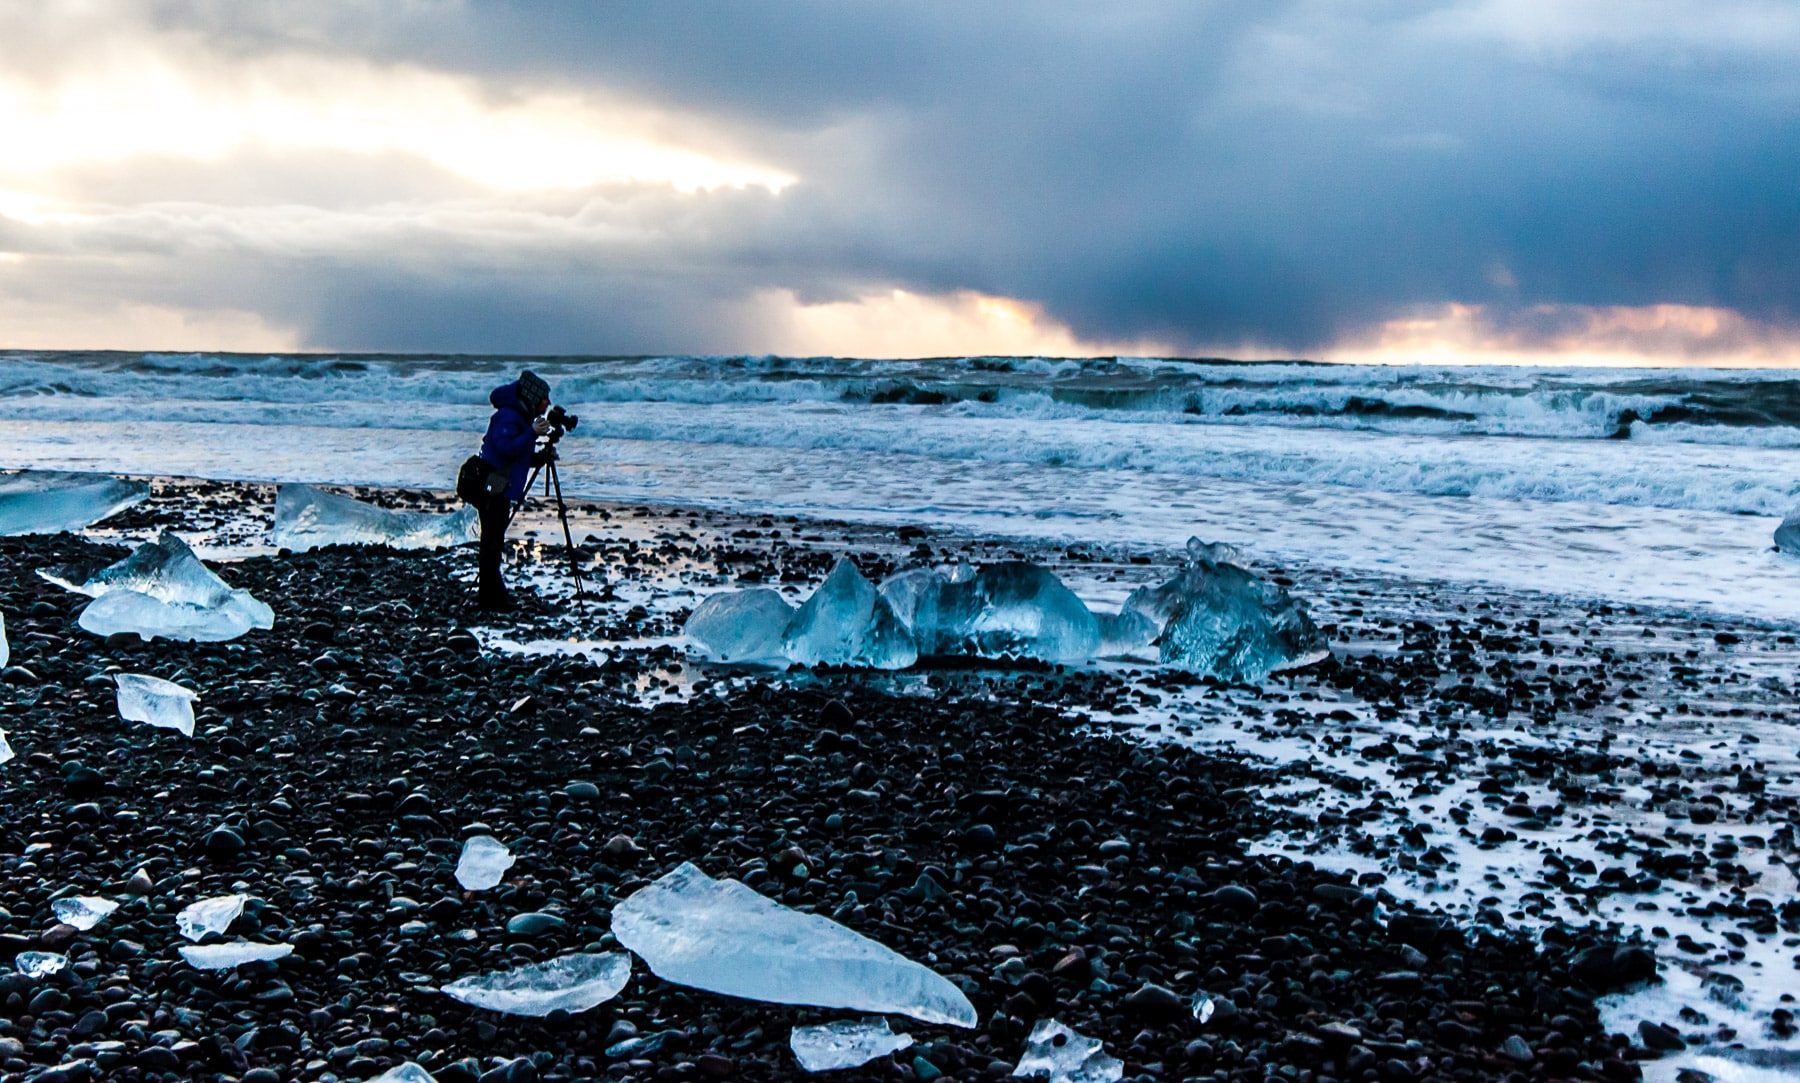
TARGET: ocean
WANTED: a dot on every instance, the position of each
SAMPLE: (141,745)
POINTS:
(1656,487)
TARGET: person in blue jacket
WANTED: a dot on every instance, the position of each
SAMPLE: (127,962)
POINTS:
(510,450)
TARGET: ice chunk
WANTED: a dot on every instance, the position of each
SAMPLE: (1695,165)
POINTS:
(160,703)
(721,936)
(39,964)
(483,862)
(162,589)
(48,501)
(208,916)
(1125,632)
(236,953)
(405,1073)
(847,623)
(82,911)
(741,626)
(1063,1056)
(307,518)
(5,650)
(6,752)
(1787,535)
(1220,620)
(571,983)
(1007,608)
(844,1044)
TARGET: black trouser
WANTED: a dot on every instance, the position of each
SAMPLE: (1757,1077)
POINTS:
(493,540)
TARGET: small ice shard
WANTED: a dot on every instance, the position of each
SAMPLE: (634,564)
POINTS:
(5,651)
(1787,535)
(237,953)
(1063,1056)
(741,626)
(1219,620)
(844,1044)
(721,936)
(847,623)
(570,983)
(39,964)
(307,518)
(48,501)
(162,589)
(208,916)
(483,862)
(6,751)
(405,1073)
(160,703)
(82,911)
(1007,608)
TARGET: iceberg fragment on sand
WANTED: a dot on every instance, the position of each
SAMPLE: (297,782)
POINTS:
(82,911)
(1219,620)
(484,861)
(160,703)
(1787,535)
(209,916)
(162,589)
(741,626)
(721,936)
(848,623)
(409,1072)
(39,964)
(1060,1055)
(48,501)
(570,983)
(237,953)
(1008,608)
(844,1044)
(307,518)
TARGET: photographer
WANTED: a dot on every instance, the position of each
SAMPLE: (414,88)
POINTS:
(509,451)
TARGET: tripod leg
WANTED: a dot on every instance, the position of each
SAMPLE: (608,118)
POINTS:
(529,482)
(562,512)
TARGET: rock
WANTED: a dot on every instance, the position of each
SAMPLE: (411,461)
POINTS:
(535,924)
(582,791)
(1517,1049)
(1152,1001)
(223,842)
(1240,901)
(1661,1038)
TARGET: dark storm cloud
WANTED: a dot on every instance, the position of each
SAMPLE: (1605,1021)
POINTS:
(1207,175)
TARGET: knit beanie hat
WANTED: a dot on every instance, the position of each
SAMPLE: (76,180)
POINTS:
(533,391)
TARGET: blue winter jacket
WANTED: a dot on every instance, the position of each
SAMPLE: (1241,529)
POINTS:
(509,439)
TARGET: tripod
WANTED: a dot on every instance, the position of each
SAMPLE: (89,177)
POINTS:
(553,486)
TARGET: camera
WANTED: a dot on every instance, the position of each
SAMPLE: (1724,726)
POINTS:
(561,421)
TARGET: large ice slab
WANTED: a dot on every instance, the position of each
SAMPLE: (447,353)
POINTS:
(848,623)
(1058,1054)
(307,518)
(208,916)
(744,626)
(82,911)
(721,936)
(483,862)
(1011,608)
(48,501)
(162,589)
(1219,620)
(160,703)
(236,953)
(844,1044)
(570,983)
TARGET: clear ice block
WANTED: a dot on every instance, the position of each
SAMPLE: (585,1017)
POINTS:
(162,589)
(483,863)
(236,953)
(160,703)
(1220,620)
(847,623)
(209,916)
(49,501)
(721,936)
(743,626)
(844,1044)
(39,964)
(1060,1055)
(570,983)
(82,911)
(308,518)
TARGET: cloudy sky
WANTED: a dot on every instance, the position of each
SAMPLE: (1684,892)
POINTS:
(1505,180)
